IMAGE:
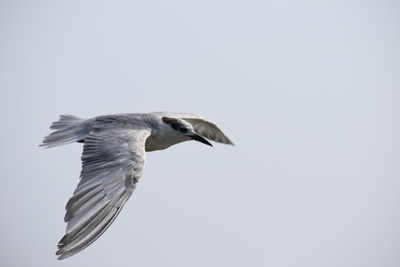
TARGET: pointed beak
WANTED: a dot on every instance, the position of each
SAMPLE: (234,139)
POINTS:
(200,139)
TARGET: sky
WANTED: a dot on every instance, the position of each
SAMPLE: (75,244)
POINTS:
(307,90)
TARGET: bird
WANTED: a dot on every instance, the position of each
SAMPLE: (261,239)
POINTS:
(114,153)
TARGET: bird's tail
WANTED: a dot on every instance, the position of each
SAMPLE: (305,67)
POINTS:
(68,129)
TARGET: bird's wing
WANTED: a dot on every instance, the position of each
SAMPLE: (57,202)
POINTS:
(202,126)
(112,162)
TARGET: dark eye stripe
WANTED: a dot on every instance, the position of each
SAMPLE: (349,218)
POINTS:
(175,124)
(169,120)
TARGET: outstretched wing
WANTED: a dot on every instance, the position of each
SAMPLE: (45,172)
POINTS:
(112,162)
(202,126)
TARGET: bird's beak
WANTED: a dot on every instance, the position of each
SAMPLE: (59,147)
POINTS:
(200,139)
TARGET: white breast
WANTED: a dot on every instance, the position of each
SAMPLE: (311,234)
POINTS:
(163,139)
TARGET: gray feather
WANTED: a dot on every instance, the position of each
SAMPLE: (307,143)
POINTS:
(69,129)
(203,126)
(112,162)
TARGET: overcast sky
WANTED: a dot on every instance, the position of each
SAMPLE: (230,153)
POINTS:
(308,90)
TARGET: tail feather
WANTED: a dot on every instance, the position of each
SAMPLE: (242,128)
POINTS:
(64,121)
(68,129)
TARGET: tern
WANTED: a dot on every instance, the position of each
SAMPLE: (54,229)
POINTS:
(113,158)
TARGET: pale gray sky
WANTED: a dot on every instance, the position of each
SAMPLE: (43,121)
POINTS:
(308,90)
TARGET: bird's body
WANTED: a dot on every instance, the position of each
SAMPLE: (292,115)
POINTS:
(112,162)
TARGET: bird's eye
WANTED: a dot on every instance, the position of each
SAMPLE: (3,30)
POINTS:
(183,129)
(175,126)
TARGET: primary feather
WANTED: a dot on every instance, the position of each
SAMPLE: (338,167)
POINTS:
(112,162)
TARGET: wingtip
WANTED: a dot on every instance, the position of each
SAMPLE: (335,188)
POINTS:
(63,254)
(42,145)
(61,257)
(229,142)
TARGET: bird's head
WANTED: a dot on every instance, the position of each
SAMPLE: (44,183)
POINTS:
(184,130)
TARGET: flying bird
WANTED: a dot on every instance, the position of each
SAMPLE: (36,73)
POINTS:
(113,157)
